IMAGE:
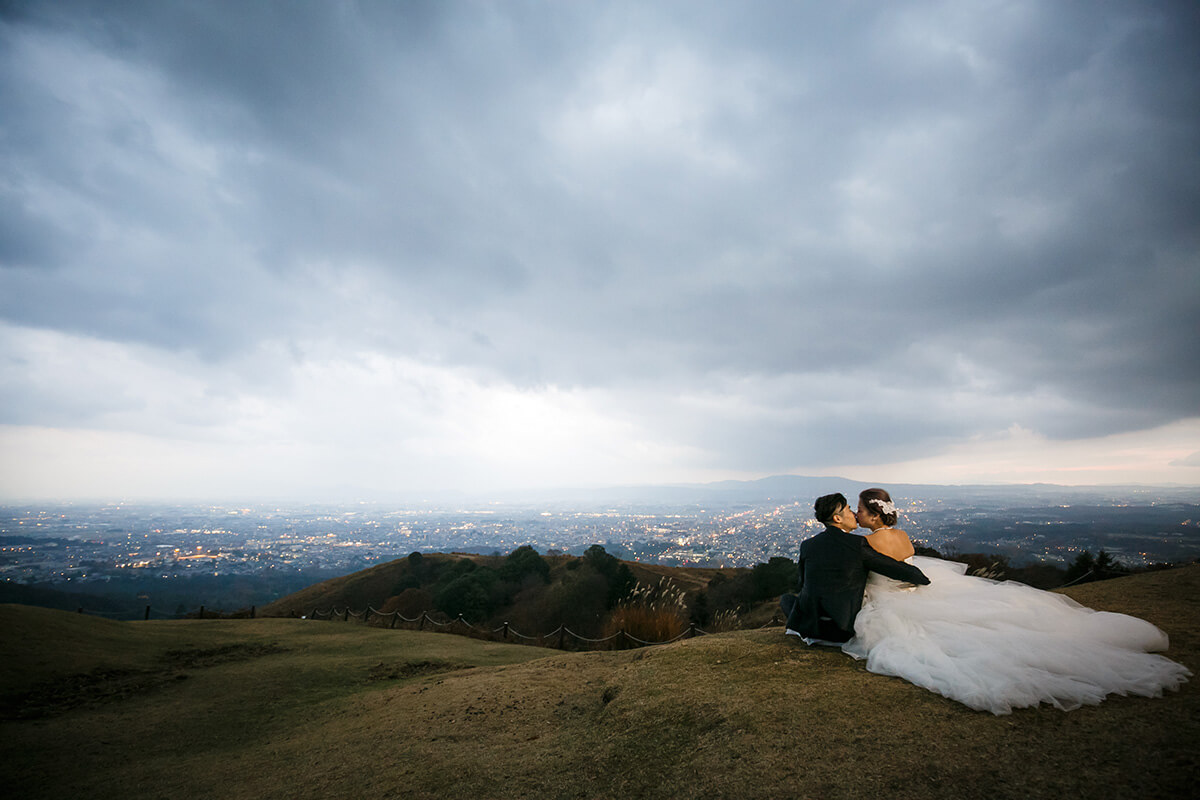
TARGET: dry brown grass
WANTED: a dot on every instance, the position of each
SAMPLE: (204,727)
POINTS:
(651,613)
(743,714)
(725,621)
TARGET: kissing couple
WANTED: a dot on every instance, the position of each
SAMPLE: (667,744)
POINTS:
(991,645)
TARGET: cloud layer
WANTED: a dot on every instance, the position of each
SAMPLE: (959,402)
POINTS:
(431,244)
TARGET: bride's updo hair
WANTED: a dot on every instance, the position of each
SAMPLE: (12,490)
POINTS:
(880,502)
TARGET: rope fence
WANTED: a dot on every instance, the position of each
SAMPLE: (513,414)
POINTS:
(1077,580)
(505,632)
(153,613)
(98,613)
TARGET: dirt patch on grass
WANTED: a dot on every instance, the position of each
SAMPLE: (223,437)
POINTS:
(104,685)
(196,658)
(412,669)
(89,688)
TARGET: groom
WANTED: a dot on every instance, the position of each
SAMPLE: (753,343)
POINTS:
(833,574)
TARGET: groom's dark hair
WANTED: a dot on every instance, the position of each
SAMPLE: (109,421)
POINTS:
(828,505)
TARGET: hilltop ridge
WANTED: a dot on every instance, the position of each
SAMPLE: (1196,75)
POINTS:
(538,593)
(373,584)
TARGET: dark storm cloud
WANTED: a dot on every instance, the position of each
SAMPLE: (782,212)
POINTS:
(906,224)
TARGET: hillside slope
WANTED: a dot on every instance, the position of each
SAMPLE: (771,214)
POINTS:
(372,586)
(339,709)
(571,593)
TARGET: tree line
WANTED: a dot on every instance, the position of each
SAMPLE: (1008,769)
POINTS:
(593,593)
(584,593)
(1085,568)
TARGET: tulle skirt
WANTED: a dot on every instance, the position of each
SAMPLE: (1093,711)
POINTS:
(1000,645)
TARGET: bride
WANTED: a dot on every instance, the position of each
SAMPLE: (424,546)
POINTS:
(997,645)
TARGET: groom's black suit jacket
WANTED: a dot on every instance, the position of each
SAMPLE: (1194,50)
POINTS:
(833,575)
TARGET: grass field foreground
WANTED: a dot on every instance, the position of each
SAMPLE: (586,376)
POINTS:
(302,709)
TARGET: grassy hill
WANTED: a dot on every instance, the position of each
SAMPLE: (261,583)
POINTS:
(567,596)
(374,585)
(358,590)
(281,708)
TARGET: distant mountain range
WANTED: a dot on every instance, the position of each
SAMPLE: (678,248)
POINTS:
(804,489)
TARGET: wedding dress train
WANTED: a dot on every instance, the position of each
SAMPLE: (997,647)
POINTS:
(1000,645)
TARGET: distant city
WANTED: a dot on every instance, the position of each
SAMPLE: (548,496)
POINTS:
(187,554)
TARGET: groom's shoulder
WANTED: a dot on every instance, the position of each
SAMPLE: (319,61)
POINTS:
(812,543)
(827,537)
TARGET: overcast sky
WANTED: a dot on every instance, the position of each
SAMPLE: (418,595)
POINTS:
(322,250)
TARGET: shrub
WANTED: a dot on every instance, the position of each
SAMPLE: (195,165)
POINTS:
(576,601)
(772,579)
(469,595)
(727,620)
(700,614)
(618,576)
(408,581)
(522,562)
(650,613)
(410,603)
(1085,569)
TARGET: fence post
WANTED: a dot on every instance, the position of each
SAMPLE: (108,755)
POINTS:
(691,631)
(367,614)
(506,630)
(394,615)
(252,608)
(346,616)
(147,612)
(562,635)
(421,627)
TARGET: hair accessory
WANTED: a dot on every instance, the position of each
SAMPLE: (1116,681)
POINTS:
(884,506)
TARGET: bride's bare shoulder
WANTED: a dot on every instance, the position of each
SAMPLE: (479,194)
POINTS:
(891,542)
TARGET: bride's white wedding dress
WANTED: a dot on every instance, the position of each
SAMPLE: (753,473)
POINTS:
(1000,645)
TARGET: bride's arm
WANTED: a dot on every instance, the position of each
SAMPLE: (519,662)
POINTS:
(897,570)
